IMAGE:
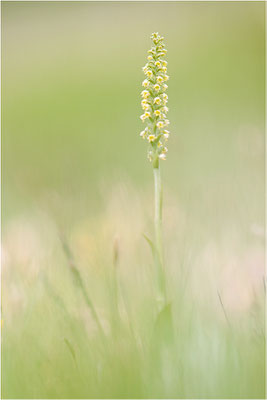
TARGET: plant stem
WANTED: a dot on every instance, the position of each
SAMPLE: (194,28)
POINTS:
(79,282)
(158,234)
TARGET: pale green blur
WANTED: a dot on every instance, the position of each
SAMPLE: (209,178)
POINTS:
(73,164)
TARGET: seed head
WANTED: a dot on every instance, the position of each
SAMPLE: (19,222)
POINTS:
(154,100)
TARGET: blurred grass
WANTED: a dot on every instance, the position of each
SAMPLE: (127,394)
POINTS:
(72,162)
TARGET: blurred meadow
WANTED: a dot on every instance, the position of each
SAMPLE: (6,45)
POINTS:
(80,315)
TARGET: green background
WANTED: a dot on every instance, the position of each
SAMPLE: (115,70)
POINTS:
(73,161)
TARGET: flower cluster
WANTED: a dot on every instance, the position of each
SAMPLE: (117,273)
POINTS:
(154,101)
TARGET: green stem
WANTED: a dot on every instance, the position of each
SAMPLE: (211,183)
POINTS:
(79,282)
(158,234)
